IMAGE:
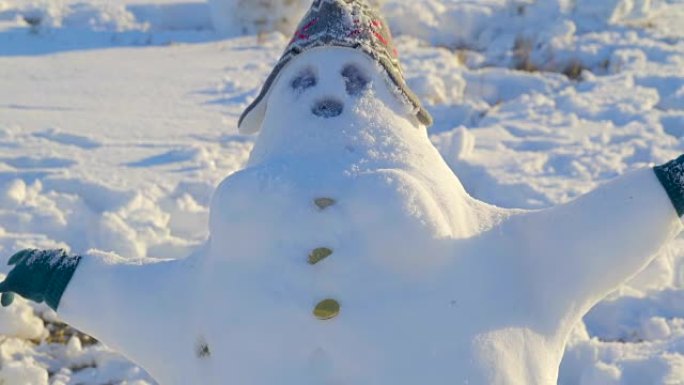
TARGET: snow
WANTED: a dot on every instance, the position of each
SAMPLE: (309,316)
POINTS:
(232,17)
(117,122)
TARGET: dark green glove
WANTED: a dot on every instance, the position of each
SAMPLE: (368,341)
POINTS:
(39,275)
(671,176)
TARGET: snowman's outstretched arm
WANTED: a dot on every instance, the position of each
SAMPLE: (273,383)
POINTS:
(102,295)
(584,249)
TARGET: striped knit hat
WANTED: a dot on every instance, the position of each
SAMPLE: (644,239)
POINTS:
(339,23)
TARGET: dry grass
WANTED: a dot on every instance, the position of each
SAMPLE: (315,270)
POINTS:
(522,59)
(573,70)
(522,55)
(61,333)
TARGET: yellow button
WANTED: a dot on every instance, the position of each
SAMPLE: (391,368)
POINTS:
(319,254)
(324,203)
(327,309)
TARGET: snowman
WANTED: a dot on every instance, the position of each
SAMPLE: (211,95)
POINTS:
(347,251)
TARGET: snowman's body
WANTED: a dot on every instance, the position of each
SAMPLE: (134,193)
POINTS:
(434,287)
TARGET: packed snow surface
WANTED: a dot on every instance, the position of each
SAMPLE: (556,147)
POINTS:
(118,121)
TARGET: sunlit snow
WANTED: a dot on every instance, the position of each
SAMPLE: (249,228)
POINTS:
(118,121)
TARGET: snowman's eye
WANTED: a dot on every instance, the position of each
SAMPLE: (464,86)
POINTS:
(305,79)
(355,80)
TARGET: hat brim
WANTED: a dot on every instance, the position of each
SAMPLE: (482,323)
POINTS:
(252,118)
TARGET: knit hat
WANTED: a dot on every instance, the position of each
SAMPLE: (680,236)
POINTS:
(338,23)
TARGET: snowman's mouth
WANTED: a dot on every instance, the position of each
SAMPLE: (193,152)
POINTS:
(327,108)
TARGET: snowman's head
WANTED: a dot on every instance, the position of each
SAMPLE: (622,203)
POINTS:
(336,28)
(336,103)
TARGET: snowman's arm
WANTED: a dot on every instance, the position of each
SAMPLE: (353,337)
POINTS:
(125,304)
(582,250)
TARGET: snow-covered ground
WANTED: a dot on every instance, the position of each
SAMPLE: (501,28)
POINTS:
(118,119)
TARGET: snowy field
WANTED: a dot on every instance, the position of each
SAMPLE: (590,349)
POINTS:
(118,119)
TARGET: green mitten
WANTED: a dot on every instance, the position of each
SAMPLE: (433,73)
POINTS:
(39,275)
(671,176)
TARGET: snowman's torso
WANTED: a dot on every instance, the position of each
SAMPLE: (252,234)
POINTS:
(417,266)
(412,310)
